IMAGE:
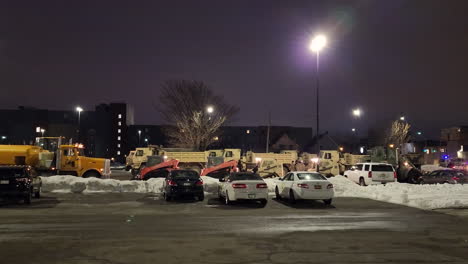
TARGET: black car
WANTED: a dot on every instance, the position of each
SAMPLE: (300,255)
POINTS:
(19,183)
(183,183)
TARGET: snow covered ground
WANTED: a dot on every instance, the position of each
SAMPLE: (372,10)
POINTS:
(435,196)
(421,196)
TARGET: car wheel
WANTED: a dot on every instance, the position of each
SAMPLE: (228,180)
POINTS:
(37,194)
(292,199)
(201,197)
(166,197)
(226,199)
(28,198)
(328,201)
(362,182)
(92,174)
(278,196)
(263,202)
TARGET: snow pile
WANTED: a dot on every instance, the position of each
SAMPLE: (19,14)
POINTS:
(72,184)
(420,196)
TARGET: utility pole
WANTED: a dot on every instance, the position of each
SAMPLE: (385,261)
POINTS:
(268,133)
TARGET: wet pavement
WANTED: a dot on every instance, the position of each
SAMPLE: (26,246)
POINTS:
(136,228)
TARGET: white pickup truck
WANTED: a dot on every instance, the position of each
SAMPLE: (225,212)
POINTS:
(371,173)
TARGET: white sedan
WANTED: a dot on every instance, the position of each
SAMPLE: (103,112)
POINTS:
(303,185)
(243,186)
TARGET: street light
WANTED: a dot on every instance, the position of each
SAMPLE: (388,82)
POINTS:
(357,112)
(316,45)
(139,137)
(79,110)
(42,132)
(402,118)
(209,109)
(353,129)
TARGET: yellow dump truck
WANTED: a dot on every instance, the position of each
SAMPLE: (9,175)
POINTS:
(334,162)
(270,164)
(66,159)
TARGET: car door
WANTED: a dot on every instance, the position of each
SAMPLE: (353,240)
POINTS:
(287,184)
(223,185)
(281,184)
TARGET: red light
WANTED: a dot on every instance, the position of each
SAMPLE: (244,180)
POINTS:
(262,185)
(172,183)
(303,185)
(394,175)
(199,183)
(455,178)
(370,174)
(330,186)
(239,186)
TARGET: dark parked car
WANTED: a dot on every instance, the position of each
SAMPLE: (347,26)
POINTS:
(20,183)
(444,176)
(186,183)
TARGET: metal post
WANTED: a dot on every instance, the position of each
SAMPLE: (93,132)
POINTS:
(79,124)
(318,101)
(268,133)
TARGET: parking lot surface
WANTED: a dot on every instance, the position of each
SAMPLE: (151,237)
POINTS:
(137,228)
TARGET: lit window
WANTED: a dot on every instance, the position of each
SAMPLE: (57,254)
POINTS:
(119,131)
(118,152)
(442,150)
(120,123)
(120,116)
(118,145)
(118,138)
(38,129)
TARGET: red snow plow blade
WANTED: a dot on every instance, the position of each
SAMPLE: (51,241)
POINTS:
(232,165)
(171,165)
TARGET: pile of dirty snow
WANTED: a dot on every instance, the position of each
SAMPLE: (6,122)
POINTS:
(73,184)
(435,196)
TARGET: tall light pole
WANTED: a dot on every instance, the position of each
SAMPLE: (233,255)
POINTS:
(79,110)
(316,45)
(42,132)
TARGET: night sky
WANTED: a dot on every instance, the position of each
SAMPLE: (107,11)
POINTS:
(389,57)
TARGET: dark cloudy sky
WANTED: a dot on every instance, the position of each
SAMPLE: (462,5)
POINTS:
(386,56)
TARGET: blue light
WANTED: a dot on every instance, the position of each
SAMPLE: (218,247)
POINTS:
(446,157)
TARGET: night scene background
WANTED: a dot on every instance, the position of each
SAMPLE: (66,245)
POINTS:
(387,57)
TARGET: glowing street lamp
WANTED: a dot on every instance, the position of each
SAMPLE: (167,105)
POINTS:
(357,112)
(317,44)
(402,118)
(42,132)
(210,109)
(353,129)
(79,110)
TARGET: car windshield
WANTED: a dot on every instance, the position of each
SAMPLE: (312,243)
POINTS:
(11,172)
(382,168)
(185,174)
(310,176)
(245,177)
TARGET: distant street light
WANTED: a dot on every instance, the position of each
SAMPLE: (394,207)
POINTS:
(419,133)
(79,110)
(209,109)
(353,129)
(42,132)
(139,137)
(3,137)
(402,118)
(357,112)
(317,44)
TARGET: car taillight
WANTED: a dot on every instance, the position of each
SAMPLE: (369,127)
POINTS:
(172,183)
(199,183)
(394,175)
(303,185)
(239,186)
(455,178)
(370,174)
(262,185)
(330,186)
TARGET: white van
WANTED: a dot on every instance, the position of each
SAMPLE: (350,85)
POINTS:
(371,173)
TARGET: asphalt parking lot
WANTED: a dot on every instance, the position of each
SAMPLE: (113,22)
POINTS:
(136,228)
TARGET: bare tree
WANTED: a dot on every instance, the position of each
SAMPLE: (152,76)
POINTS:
(399,133)
(185,107)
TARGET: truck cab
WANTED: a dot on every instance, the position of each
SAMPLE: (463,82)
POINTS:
(72,161)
